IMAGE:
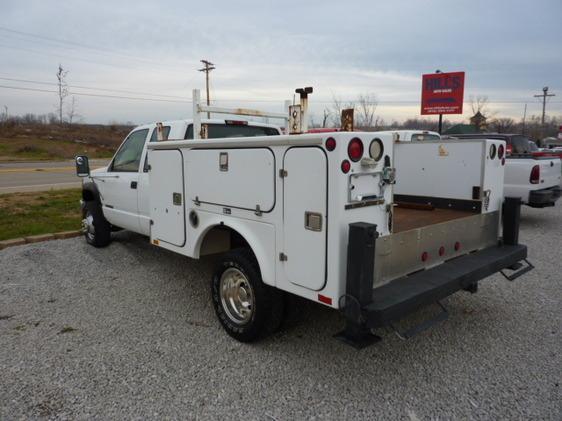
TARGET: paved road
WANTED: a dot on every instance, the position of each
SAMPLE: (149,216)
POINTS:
(37,176)
(129,332)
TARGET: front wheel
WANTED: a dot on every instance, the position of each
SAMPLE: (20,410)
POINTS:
(96,229)
(246,307)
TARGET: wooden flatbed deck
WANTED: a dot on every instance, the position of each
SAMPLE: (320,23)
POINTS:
(406,218)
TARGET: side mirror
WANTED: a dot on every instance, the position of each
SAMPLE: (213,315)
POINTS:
(82,166)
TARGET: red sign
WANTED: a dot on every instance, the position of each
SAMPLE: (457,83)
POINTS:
(442,93)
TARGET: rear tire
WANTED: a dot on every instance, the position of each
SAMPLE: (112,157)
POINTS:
(97,230)
(246,308)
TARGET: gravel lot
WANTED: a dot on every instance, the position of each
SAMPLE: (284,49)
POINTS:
(129,332)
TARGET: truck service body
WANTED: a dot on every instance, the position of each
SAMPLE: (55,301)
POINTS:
(353,220)
(534,179)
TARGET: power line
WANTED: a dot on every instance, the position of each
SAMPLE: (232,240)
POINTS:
(188,100)
(92,88)
(85,60)
(19,88)
(81,45)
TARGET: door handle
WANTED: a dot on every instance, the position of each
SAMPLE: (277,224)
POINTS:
(133,184)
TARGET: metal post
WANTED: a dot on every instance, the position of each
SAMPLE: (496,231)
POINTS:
(286,109)
(511,217)
(196,96)
(440,123)
(359,285)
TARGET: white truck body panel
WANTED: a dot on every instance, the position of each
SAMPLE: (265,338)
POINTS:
(246,179)
(305,204)
(423,168)
(167,193)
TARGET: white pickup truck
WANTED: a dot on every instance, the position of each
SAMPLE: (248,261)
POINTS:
(352,220)
(535,179)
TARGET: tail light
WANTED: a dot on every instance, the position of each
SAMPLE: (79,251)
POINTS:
(424,256)
(330,144)
(441,251)
(457,246)
(501,150)
(345,166)
(535,175)
(355,149)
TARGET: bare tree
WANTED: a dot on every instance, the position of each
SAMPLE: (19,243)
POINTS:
(62,90)
(72,111)
(325,117)
(5,114)
(366,108)
(338,105)
(481,104)
(502,125)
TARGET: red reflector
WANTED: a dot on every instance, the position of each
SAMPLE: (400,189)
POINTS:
(330,144)
(425,256)
(324,299)
(457,246)
(503,161)
(535,175)
(355,149)
(441,251)
(501,150)
(345,166)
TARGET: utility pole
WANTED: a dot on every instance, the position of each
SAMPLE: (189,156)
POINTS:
(207,69)
(544,96)
(524,118)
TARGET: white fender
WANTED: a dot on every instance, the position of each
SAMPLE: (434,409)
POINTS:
(259,235)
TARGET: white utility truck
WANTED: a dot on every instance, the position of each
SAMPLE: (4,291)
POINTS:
(352,220)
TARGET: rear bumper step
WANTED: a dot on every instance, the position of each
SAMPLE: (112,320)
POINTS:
(366,308)
(402,296)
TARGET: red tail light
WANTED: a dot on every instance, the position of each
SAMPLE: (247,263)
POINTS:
(457,246)
(345,166)
(355,149)
(330,144)
(441,251)
(501,150)
(424,256)
(535,175)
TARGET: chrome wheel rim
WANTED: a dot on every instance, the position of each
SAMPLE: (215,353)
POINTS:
(237,296)
(88,226)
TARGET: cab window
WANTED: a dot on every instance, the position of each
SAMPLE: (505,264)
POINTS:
(165,134)
(127,158)
(217,130)
(424,136)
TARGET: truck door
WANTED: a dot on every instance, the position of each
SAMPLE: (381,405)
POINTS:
(167,196)
(305,193)
(119,186)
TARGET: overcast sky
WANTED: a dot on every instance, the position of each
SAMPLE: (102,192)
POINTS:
(264,49)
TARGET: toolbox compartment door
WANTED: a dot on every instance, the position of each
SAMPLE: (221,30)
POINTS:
(305,193)
(167,196)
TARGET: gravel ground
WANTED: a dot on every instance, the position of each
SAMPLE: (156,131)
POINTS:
(129,332)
